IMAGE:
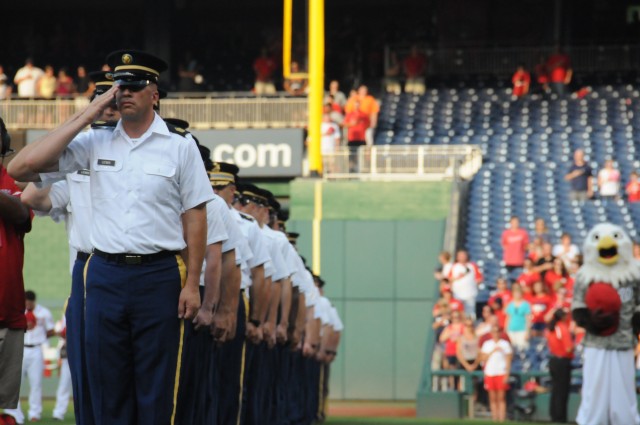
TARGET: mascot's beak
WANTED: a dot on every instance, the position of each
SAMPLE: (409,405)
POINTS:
(607,251)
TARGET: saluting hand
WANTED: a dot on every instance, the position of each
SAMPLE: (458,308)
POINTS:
(100,103)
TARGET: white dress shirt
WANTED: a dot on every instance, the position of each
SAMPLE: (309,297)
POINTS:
(280,269)
(139,188)
(216,231)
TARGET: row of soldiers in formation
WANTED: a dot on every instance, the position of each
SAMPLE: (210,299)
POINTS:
(259,349)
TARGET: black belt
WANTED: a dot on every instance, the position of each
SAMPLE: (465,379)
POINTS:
(32,346)
(134,258)
(82,256)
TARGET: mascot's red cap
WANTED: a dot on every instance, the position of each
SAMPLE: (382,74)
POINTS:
(604,297)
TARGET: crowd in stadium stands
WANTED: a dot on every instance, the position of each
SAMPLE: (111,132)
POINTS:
(552,74)
(529,309)
(31,81)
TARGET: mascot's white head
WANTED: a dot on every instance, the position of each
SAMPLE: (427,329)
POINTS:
(608,256)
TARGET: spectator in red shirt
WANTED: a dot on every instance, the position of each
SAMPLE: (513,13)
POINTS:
(497,307)
(15,221)
(521,81)
(560,72)
(558,277)
(264,67)
(454,305)
(540,303)
(535,249)
(561,348)
(528,277)
(542,74)
(633,188)
(514,245)
(414,67)
(449,337)
(357,122)
(502,291)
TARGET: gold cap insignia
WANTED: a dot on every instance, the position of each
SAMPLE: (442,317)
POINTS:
(108,76)
(127,59)
(216,167)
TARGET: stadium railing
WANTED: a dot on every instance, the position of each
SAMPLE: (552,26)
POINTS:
(433,162)
(202,113)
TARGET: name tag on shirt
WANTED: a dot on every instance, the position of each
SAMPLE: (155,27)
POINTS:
(86,172)
(107,162)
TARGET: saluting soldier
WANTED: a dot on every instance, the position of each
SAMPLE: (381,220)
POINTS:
(69,200)
(146,182)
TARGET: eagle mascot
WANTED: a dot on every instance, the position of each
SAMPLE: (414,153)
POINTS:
(606,302)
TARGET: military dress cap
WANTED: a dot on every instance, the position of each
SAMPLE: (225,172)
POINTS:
(274,205)
(293,238)
(103,81)
(283,216)
(253,193)
(134,67)
(223,174)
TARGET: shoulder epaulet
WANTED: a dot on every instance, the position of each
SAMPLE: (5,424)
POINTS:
(177,130)
(104,125)
(247,217)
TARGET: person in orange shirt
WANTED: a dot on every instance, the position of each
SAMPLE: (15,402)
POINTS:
(561,348)
(369,106)
(521,81)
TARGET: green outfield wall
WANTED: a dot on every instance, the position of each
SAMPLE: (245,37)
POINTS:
(377,251)
(378,247)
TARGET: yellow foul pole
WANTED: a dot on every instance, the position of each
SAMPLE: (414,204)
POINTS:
(316,82)
(286,38)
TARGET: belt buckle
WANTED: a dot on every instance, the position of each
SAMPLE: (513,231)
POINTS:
(133,259)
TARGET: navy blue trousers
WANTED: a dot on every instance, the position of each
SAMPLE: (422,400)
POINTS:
(231,372)
(256,367)
(134,340)
(195,397)
(312,393)
(75,347)
(297,389)
(281,383)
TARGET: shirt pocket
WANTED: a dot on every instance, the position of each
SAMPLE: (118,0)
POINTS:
(158,180)
(79,190)
(107,178)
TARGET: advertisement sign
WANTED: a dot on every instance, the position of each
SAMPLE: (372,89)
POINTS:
(258,153)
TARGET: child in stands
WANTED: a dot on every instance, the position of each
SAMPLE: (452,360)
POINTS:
(540,303)
(496,354)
